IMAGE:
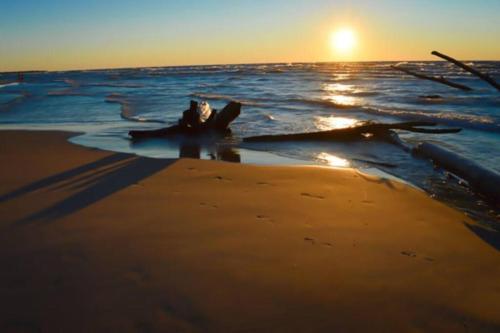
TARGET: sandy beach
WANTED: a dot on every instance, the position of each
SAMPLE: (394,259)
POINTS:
(96,241)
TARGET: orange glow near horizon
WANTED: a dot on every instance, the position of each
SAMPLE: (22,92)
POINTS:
(170,33)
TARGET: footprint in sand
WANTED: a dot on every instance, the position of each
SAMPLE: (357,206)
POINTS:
(204,204)
(222,178)
(309,240)
(314,196)
(264,218)
(409,254)
(312,241)
(412,254)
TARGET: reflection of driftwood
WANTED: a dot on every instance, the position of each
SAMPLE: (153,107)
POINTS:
(469,69)
(480,179)
(379,131)
(218,123)
(441,79)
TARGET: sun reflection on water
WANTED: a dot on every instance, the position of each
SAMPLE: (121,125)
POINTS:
(342,100)
(342,77)
(339,87)
(332,160)
(332,122)
(339,93)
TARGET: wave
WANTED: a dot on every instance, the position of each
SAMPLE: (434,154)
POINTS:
(65,92)
(483,123)
(218,70)
(74,85)
(70,91)
(14,101)
(127,109)
(322,102)
(214,85)
(10,84)
(307,101)
(225,98)
(364,93)
(115,85)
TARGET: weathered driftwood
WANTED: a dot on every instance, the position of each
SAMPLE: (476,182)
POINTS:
(379,131)
(227,115)
(441,79)
(218,123)
(482,76)
(482,180)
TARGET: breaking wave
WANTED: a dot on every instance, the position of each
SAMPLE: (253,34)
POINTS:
(2,85)
(127,109)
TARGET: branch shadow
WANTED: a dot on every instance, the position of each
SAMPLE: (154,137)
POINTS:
(490,236)
(64,176)
(94,187)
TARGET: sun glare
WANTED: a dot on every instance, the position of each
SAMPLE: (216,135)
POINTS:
(343,41)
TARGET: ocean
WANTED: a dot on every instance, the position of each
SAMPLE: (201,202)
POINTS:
(277,98)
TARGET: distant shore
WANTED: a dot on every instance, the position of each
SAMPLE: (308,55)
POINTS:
(98,241)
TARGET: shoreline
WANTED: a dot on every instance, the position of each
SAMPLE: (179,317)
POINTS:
(93,240)
(461,197)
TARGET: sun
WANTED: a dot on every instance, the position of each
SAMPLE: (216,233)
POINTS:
(343,40)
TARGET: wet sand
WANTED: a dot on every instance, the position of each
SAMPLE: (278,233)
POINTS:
(106,242)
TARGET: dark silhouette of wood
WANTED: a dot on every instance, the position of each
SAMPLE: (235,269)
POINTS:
(227,115)
(217,123)
(377,131)
(482,76)
(441,79)
(482,180)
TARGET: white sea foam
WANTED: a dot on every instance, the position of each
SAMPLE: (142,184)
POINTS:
(9,84)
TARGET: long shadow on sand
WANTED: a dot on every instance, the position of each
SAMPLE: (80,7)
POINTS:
(94,182)
(64,176)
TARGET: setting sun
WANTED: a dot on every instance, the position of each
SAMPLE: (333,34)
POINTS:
(343,40)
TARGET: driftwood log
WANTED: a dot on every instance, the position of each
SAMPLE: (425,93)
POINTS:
(377,131)
(482,180)
(441,79)
(482,76)
(218,123)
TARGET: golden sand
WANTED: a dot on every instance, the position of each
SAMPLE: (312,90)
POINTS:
(95,241)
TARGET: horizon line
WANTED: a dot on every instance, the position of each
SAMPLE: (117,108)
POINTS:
(228,64)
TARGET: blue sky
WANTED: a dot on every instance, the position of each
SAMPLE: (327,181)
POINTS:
(55,34)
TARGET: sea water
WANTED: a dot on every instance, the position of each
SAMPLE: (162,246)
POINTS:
(277,98)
